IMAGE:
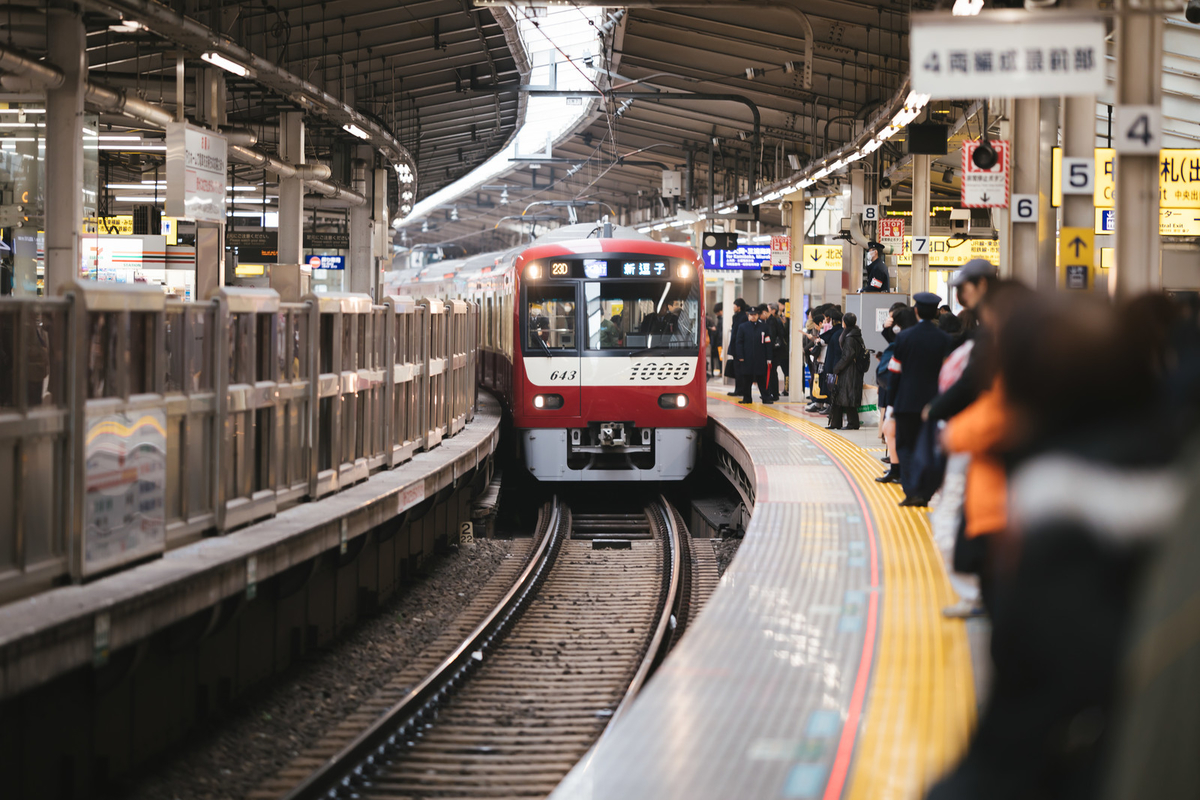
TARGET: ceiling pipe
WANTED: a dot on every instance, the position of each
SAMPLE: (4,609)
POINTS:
(188,33)
(122,102)
(27,68)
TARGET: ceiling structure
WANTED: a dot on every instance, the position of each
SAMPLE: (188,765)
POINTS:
(752,54)
(418,77)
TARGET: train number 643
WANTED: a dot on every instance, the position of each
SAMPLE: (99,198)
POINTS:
(564,375)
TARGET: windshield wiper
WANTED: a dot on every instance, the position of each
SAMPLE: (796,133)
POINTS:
(545,346)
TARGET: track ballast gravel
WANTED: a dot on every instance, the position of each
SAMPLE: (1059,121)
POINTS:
(249,743)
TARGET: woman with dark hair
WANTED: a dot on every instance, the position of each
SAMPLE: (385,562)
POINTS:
(848,376)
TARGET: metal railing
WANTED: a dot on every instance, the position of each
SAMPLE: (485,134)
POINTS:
(130,424)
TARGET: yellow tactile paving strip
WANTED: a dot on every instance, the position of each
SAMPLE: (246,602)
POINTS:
(921,701)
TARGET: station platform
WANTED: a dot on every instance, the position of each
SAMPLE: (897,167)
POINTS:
(47,635)
(822,666)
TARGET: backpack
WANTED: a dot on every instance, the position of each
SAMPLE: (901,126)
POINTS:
(862,361)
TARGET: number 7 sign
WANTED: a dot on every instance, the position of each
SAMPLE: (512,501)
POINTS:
(920,245)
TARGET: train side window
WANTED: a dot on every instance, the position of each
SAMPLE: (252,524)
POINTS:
(550,318)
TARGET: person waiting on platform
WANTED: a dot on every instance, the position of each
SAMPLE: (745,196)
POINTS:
(847,376)
(916,362)
(900,318)
(833,347)
(754,355)
(778,334)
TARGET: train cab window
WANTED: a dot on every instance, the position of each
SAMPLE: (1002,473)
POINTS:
(639,315)
(550,318)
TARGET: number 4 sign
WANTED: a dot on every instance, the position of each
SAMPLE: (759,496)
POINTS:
(1137,130)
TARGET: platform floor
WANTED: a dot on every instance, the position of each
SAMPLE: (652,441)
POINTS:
(822,666)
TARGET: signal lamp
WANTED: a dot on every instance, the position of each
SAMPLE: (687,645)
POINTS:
(548,401)
(673,401)
(534,272)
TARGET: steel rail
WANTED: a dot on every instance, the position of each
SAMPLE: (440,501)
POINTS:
(385,738)
(660,641)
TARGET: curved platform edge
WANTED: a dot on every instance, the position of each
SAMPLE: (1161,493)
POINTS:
(821,666)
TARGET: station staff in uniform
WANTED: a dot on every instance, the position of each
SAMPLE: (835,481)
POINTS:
(916,362)
(877,274)
(754,355)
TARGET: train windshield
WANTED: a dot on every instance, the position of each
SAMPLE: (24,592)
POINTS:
(551,318)
(642,315)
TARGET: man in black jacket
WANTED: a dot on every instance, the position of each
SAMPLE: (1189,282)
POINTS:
(972,283)
(916,362)
(739,316)
(754,353)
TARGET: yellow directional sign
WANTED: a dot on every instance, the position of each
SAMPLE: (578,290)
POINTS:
(823,256)
(948,253)
(1077,255)
(1178,178)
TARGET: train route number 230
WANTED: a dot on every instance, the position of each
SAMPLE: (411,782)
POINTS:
(563,375)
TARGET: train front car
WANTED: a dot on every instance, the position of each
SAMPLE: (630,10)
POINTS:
(609,376)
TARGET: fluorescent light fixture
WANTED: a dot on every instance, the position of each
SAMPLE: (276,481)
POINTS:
(132,147)
(229,65)
(354,130)
(22,111)
(127,26)
(967,8)
(726,210)
(114,137)
(645,229)
(130,199)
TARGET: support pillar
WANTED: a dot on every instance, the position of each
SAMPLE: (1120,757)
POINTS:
(1139,42)
(1079,141)
(852,254)
(291,190)
(795,296)
(728,295)
(360,269)
(1019,243)
(64,148)
(918,277)
(1047,225)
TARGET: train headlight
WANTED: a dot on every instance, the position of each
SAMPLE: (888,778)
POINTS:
(684,271)
(534,272)
(548,401)
(673,401)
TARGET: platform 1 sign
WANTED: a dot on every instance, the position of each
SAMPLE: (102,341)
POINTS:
(823,256)
(985,188)
(1006,54)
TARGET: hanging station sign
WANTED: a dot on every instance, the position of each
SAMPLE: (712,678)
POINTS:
(196,166)
(1178,178)
(1006,54)
(985,188)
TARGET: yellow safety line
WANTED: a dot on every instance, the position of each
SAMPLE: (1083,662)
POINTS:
(921,703)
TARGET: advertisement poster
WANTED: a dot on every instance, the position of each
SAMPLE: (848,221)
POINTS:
(125,483)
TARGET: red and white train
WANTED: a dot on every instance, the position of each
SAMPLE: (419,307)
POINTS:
(594,339)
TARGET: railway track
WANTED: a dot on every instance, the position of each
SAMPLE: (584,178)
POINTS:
(519,702)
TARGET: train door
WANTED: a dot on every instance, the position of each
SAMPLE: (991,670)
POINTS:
(551,348)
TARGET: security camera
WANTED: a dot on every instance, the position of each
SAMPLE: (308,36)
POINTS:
(1193,12)
(886,183)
